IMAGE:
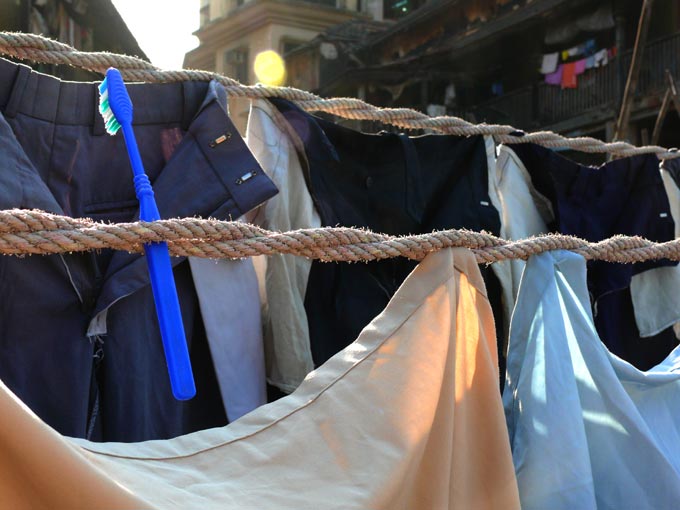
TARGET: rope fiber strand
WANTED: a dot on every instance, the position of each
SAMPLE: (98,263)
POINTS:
(24,232)
(40,49)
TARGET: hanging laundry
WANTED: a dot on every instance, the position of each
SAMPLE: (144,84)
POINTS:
(625,196)
(389,183)
(283,279)
(569,79)
(436,110)
(670,173)
(524,213)
(580,67)
(81,344)
(611,53)
(229,299)
(450,94)
(409,416)
(658,311)
(601,58)
(549,63)
(659,304)
(574,51)
(590,62)
(588,430)
(556,77)
(565,55)
(589,47)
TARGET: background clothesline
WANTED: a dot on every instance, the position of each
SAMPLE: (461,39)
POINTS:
(42,50)
(35,232)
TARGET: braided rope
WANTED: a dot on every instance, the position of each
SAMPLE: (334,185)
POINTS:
(35,232)
(40,49)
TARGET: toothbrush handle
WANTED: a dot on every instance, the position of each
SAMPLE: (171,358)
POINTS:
(170,321)
(162,282)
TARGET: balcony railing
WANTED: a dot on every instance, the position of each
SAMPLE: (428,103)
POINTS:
(598,90)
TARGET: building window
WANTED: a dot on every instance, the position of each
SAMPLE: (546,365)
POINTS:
(289,45)
(395,9)
(236,64)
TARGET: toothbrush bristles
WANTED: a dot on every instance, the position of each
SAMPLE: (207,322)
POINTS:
(110,122)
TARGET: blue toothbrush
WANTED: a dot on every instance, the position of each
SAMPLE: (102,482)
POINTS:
(116,109)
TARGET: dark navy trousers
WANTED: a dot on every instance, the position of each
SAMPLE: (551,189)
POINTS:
(388,183)
(625,196)
(79,340)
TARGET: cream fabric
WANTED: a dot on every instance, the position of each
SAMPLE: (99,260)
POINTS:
(407,417)
(283,278)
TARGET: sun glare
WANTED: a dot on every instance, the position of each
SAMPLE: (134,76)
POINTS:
(269,68)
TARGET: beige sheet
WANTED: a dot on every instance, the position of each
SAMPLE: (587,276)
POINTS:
(407,417)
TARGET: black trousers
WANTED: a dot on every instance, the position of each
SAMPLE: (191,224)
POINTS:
(388,183)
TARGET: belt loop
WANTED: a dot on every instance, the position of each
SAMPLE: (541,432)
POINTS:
(17,94)
(98,127)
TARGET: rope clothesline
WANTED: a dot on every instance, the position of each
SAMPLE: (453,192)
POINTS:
(42,50)
(25,232)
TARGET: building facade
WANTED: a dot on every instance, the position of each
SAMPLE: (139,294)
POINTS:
(87,25)
(234,32)
(534,64)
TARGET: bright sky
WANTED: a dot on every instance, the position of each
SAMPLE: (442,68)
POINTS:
(162,28)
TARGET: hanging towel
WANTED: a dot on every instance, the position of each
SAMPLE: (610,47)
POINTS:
(569,79)
(549,63)
(574,51)
(580,66)
(409,416)
(556,77)
(588,430)
(590,62)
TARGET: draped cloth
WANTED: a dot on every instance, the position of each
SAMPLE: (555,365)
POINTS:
(408,416)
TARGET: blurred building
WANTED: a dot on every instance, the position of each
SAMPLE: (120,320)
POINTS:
(88,25)
(234,32)
(534,64)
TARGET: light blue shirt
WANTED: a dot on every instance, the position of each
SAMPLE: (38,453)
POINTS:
(588,430)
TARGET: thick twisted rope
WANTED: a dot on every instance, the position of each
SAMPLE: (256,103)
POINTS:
(40,49)
(35,232)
